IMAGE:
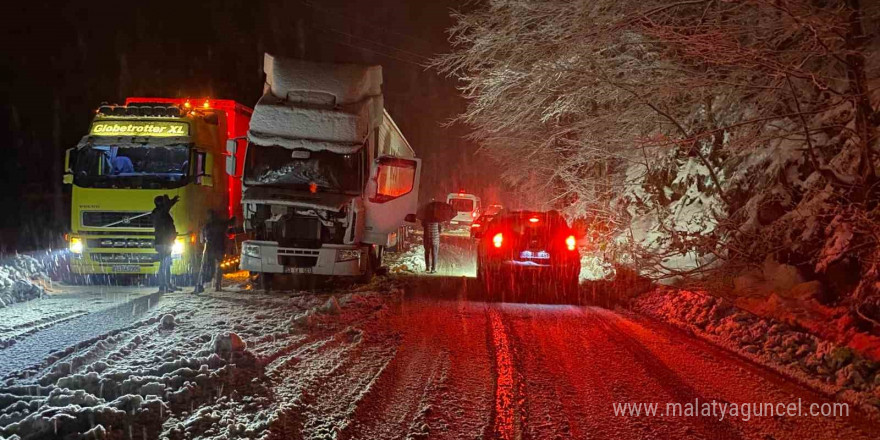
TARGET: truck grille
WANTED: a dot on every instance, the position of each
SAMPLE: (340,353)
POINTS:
(298,232)
(120,242)
(125,258)
(122,219)
(297,257)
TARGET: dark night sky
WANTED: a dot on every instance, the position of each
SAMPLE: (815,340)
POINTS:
(63,60)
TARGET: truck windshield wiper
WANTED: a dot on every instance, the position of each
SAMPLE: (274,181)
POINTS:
(126,219)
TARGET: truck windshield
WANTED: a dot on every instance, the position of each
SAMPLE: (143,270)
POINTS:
(108,166)
(301,169)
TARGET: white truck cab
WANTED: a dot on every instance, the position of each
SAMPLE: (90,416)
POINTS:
(328,178)
(467,208)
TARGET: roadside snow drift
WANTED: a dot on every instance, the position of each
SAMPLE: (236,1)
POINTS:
(22,279)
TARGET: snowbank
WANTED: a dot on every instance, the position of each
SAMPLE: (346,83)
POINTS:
(832,368)
(22,279)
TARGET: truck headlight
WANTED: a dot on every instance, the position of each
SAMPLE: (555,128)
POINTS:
(76,245)
(348,254)
(177,247)
(251,250)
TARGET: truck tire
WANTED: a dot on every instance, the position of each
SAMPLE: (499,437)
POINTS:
(371,264)
(264,280)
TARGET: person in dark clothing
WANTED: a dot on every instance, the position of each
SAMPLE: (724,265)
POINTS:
(214,236)
(163,224)
(431,242)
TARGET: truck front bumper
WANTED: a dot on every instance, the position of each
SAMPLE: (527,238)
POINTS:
(140,263)
(267,257)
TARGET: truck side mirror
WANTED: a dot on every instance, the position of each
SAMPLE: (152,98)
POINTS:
(231,159)
(67,168)
(68,172)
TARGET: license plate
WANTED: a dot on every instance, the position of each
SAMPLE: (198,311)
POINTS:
(126,268)
(535,255)
(288,269)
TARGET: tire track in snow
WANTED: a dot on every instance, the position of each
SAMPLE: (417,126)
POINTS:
(544,414)
(45,347)
(506,416)
(320,388)
(12,334)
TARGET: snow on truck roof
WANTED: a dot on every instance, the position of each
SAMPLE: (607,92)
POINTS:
(317,106)
(346,83)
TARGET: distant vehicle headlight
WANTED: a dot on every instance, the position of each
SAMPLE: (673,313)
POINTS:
(251,250)
(76,245)
(177,247)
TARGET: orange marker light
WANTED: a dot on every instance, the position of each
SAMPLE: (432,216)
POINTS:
(498,239)
(207,104)
(570,242)
(187,104)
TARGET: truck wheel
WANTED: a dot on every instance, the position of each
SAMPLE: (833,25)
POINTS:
(371,262)
(265,281)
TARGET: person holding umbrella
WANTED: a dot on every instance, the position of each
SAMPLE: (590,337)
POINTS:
(431,215)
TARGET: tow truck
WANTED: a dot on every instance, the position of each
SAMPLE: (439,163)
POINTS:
(135,152)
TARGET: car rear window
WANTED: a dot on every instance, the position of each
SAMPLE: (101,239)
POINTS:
(462,205)
(519,224)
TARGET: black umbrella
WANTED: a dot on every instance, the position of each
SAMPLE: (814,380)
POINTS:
(436,212)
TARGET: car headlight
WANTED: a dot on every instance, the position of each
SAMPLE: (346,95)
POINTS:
(76,245)
(348,255)
(251,250)
(177,247)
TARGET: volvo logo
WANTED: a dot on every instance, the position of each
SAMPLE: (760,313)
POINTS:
(126,220)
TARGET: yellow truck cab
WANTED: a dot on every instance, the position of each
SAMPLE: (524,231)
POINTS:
(136,152)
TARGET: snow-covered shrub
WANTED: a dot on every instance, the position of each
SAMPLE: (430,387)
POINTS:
(21,279)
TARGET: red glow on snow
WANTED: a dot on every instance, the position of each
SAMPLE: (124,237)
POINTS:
(504,401)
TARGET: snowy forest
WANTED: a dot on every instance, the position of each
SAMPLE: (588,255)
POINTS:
(699,140)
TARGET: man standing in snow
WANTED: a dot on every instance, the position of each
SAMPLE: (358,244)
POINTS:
(163,224)
(431,242)
(214,235)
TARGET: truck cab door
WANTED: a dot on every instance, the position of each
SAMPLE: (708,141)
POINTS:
(392,194)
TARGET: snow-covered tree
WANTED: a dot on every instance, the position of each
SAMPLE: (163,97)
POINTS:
(711,133)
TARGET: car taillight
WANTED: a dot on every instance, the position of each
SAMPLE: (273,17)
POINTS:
(498,239)
(475,225)
(474,214)
(570,242)
(534,220)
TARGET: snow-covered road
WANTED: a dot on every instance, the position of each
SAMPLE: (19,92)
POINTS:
(405,358)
